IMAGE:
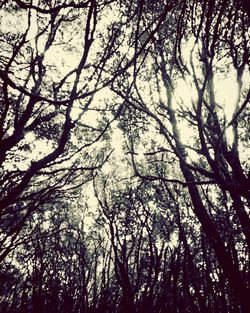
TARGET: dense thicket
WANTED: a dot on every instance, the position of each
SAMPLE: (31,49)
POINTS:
(124,137)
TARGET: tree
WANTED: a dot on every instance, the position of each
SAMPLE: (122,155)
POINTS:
(124,177)
(217,159)
(45,99)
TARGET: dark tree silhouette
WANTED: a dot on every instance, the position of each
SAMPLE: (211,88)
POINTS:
(124,182)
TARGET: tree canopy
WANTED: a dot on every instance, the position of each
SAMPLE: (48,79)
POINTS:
(124,149)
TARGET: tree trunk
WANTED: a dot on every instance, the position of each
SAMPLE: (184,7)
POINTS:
(224,258)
